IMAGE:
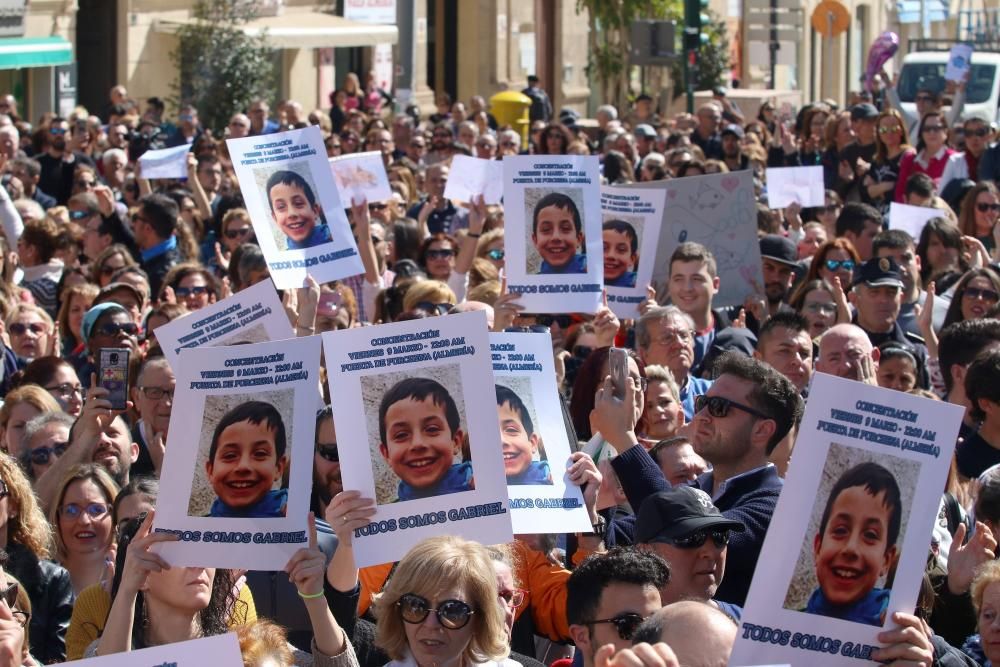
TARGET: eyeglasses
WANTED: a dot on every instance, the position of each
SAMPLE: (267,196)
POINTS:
(934,128)
(42,455)
(513,597)
(93,510)
(719,407)
(237,233)
(667,336)
(157,393)
(836,264)
(626,624)
(9,596)
(197,290)
(328,452)
(451,614)
(66,389)
(983,207)
(443,253)
(376,207)
(890,130)
(20,328)
(984,294)
(823,308)
(697,539)
(496,254)
(981,132)
(112,329)
(438,308)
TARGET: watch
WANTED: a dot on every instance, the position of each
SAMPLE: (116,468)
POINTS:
(601,527)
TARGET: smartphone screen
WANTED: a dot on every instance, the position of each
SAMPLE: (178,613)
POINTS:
(618,365)
(112,374)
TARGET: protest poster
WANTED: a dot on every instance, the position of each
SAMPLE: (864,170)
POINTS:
(253,315)
(552,209)
(795,185)
(360,176)
(911,219)
(870,464)
(959,63)
(630,230)
(297,216)
(165,163)
(536,447)
(238,468)
(427,449)
(216,650)
(470,177)
(718,211)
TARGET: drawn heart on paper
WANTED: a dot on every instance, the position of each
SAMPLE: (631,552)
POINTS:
(730,183)
(747,273)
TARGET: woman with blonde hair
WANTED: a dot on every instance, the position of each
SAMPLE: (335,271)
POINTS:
(26,536)
(19,407)
(891,144)
(430,295)
(75,301)
(443,589)
(32,333)
(81,516)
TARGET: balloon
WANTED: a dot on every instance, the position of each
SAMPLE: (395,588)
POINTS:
(883,48)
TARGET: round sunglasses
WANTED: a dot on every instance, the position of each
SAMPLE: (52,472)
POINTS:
(451,614)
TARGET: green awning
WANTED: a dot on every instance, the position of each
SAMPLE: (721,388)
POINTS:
(16,53)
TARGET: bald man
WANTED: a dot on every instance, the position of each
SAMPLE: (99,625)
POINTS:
(239,126)
(699,634)
(846,351)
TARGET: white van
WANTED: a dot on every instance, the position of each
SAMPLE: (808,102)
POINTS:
(925,69)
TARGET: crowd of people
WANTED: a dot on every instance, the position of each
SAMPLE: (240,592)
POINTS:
(690,465)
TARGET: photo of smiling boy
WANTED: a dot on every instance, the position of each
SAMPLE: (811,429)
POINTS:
(420,435)
(557,234)
(247,456)
(621,253)
(520,441)
(856,545)
(295,210)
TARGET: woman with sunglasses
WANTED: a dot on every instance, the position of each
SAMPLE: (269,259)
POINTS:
(58,377)
(979,213)
(75,300)
(932,155)
(190,285)
(891,144)
(976,293)
(236,230)
(815,301)
(15,615)
(32,333)
(836,258)
(26,536)
(112,259)
(81,516)
(20,406)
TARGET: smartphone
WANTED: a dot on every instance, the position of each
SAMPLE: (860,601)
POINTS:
(329,304)
(618,366)
(112,374)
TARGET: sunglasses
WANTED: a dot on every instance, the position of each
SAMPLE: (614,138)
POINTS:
(79,215)
(496,254)
(329,453)
(58,131)
(835,264)
(4,491)
(110,270)
(42,455)
(984,294)
(582,351)
(84,184)
(983,207)
(451,614)
(626,624)
(438,308)
(981,132)
(934,128)
(237,233)
(890,130)
(697,539)
(564,321)
(20,328)
(443,253)
(112,329)
(197,290)
(93,510)
(719,407)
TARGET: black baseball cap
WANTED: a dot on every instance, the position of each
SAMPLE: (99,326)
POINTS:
(864,111)
(683,510)
(879,272)
(778,248)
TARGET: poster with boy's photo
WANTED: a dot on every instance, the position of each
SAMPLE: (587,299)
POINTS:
(236,475)
(216,650)
(630,230)
(429,449)
(253,315)
(535,444)
(297,214)
(834,570)
(553,238)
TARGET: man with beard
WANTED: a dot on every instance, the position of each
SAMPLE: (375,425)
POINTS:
(732,152)
(57,164)
(737,424)
(877,295)
(153,396)
(441,148)
(327,482)
(665,336)
(779,259)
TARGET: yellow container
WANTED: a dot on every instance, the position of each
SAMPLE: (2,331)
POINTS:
(511,108)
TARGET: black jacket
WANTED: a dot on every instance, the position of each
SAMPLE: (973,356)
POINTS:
(157,268)
(51,593)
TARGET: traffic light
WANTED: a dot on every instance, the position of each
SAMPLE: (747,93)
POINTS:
(695,17)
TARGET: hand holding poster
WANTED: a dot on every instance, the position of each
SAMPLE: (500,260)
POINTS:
(253,315)
(536,448)
(470,177)
(553,237)
(875,461)
(795,185)
(911,219)
(959,63)
(428,447)
(218,651)
(257,401)
(297,216)
(630,232)
(360,176)
(165,163)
